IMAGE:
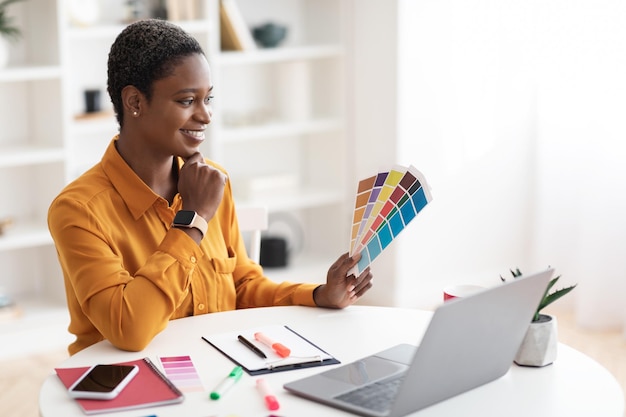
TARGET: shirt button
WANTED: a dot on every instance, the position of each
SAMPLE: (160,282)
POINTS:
(200,307)
(193,259)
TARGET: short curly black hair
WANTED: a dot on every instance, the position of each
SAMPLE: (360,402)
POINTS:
(144,52)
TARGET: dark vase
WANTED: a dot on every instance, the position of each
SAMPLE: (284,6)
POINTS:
(269,35)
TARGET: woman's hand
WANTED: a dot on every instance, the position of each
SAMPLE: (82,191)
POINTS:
(201,186)
(341,289)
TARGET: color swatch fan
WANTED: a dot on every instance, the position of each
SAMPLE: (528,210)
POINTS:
(385,204)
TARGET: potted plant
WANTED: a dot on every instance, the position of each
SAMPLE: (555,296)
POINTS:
(8,31)
(539,346)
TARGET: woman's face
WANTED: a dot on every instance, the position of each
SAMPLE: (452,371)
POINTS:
(174,121)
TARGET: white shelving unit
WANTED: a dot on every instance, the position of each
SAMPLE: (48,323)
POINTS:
(279,113)
(32,171)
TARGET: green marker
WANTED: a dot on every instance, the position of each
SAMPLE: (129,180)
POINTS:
(229,381)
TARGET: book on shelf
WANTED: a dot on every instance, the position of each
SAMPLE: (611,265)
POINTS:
(149,388)
(256,357)
(234,32)
(179,10)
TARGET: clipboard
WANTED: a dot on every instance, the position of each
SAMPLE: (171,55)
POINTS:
(304,353)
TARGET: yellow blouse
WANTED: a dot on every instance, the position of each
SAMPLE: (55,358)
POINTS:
(127,273)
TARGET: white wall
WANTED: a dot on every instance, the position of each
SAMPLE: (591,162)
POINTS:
(514,112)
(465,118)
(374,113)
(581,226)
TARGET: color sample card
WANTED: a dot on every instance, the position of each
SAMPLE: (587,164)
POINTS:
(385,204)
(182,372)
(379,197)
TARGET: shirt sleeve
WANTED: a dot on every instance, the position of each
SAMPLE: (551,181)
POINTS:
(256,290)
(127,310)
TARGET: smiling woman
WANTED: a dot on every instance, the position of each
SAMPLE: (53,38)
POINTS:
(150,233)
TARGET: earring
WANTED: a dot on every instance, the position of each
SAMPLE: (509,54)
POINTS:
(135,113)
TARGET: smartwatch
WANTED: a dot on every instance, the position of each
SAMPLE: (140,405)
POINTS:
(188,219)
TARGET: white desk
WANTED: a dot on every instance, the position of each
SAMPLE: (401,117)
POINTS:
(574,385)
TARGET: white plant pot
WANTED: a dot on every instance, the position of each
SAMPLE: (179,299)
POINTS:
(539,346)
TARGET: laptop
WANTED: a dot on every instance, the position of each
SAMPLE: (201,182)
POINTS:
(469,342)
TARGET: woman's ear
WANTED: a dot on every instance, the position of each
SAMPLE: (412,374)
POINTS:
(131,100)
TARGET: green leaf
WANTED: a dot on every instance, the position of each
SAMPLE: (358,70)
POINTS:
(549,299)
(7,27)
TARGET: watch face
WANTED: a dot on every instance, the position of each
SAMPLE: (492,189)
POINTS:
(184,217)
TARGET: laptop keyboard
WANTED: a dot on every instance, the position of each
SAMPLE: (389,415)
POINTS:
(377,396)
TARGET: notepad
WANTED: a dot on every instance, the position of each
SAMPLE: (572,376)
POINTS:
(149,388)
(304,353)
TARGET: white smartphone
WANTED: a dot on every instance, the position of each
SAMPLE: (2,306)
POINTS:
(103,382)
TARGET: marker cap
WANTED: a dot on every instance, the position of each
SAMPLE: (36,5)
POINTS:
(282,350)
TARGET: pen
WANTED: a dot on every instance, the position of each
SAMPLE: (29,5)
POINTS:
(282,350)
(270,400)
(250,346)
(227,383)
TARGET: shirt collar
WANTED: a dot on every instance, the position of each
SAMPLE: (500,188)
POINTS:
(135,193)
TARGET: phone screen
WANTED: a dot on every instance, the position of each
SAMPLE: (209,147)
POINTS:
(103,381)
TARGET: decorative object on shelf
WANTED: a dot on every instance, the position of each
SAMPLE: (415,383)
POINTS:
(83,12)
(234,32)
(278,246)
(4,224)
(160,10)
(539,347)
(273,252)
(270,34)
(92,101)
(133,11)
(8,32)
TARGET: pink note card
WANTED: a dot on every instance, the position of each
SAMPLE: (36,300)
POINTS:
(182,372)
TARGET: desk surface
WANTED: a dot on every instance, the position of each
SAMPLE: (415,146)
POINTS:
(575,385)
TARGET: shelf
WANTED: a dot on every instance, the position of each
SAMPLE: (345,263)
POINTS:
(297,199)
(97,123)
(29,155)
(30,73)
(278,129)
(310,269)
(111,30)
(20,236)
(286,54)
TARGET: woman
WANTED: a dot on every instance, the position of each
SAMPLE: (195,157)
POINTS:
(150,234)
